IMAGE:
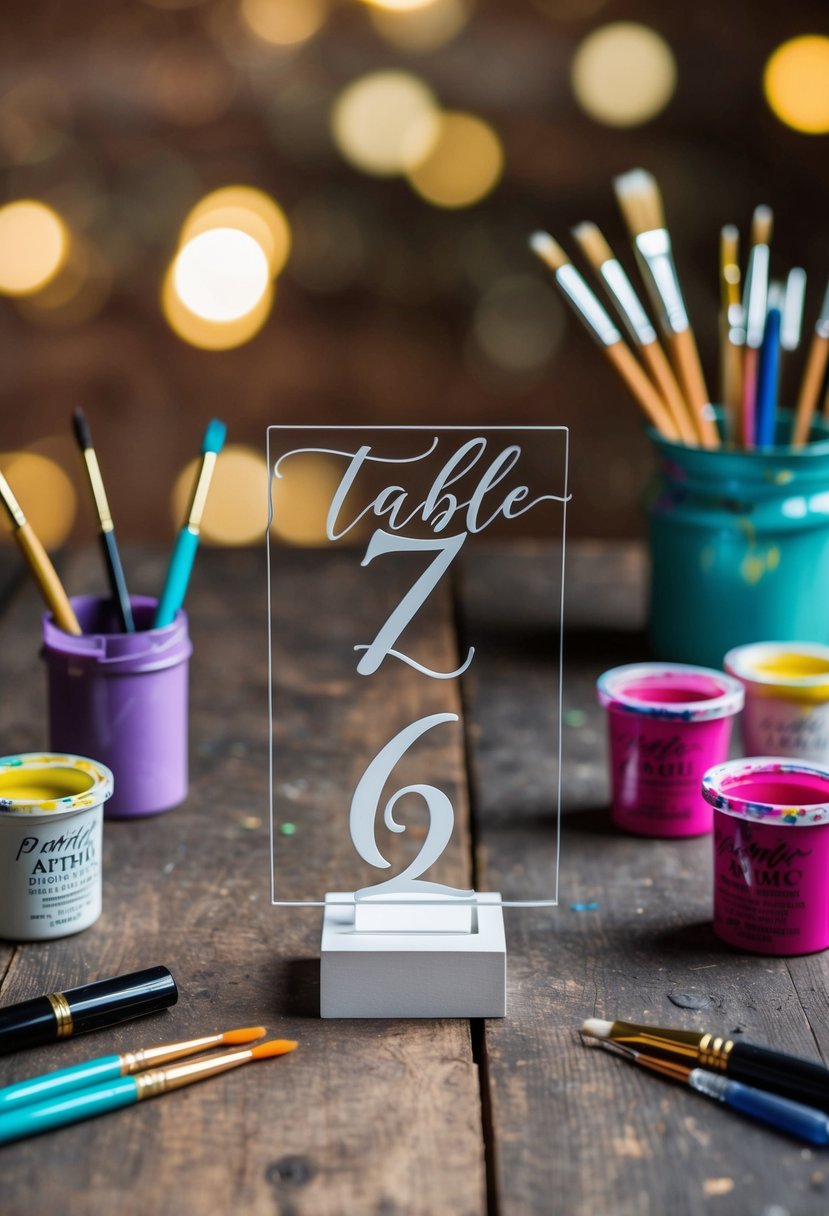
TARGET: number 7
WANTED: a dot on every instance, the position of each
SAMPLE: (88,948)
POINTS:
(386,542)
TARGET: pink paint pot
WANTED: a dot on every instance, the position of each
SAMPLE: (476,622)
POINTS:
(668,725)
(771,854)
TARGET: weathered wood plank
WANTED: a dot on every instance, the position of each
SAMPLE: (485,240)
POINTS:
(576,1132)
(368,1117)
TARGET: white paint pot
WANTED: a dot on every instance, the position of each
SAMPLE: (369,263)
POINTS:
(51,815)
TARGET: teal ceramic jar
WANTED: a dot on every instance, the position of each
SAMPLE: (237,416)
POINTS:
(739,547)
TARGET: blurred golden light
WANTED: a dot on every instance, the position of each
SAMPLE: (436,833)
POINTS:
(248,210)
(796,83)
(464,165)
(221,274)
(301,497)
(424,28)
(284,22)
(237,506)
(45,493)
(385,123)
(400,6)
(33,245)
(212,335)
(623,74)
(77,293)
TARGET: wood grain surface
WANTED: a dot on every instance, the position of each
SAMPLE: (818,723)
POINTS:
(503,1118)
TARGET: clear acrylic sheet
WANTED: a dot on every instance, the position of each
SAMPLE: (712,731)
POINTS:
(387,631)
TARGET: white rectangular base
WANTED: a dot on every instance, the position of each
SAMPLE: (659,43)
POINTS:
(413,975)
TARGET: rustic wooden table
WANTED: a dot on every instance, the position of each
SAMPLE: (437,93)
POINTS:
(445,1117)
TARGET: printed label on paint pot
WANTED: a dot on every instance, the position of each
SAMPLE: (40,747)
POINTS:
(759,895)
(60,869)
(658,775)
(789,731)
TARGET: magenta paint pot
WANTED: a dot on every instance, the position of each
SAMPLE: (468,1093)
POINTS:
(771,854)
(123,698)
(668,723)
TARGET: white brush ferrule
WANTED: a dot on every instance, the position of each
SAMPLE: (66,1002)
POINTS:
(655,250)
(709,1083)
(587,305)
(757,292)
(792,321)
(637,322)
(736,321)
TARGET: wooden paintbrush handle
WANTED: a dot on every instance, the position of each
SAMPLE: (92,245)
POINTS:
(689,371)
(47,579)
(642,389)
(810,390)
(660,369)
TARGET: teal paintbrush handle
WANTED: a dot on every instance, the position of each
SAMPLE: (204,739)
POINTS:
(178,576)
(56,1084)
(72,1108)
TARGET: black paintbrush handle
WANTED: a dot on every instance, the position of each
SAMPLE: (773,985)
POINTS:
(789,1076)
(117,582)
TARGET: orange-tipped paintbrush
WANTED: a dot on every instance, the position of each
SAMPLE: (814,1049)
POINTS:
(36,1117)
(108,1068)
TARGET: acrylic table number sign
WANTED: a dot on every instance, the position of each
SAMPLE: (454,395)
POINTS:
(390,553)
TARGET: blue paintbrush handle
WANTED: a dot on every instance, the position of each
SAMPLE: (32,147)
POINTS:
(40,1117)
(767,378)
(56,1084)
(178,576)
(793,1117)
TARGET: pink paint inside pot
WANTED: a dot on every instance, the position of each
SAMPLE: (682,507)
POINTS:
(779,789)
(666,689)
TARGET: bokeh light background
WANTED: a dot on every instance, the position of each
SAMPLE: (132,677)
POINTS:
(317,210)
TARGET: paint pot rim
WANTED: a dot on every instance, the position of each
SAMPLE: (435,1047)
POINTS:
(100,787)
(611,689)
(743,662)
(719,782)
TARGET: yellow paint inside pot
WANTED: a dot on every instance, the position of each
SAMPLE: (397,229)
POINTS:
(43,785)
(790,675)
(791,666)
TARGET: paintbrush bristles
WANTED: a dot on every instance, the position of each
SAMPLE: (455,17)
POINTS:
(243,1036)
(593,245)
(641,203)
(543,245)
(761,225)
(276,1047)
(597,1028)
(81,428)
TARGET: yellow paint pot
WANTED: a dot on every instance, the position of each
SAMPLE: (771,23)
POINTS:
(51,814)
(786,709)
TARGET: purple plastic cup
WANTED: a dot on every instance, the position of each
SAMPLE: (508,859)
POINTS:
(771,854)
(122,698)
(668,723)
